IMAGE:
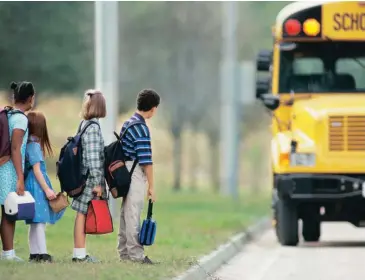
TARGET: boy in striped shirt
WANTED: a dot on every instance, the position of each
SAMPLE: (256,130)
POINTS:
(137,146)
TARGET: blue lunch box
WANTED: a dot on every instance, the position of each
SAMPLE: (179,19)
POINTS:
(148,228)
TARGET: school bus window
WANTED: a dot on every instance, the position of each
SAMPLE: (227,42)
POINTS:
(325,67)
(349,66)
(308,65)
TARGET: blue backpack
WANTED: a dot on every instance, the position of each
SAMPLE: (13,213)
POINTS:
(69,165)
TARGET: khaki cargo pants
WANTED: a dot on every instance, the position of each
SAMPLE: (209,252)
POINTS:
(132,206)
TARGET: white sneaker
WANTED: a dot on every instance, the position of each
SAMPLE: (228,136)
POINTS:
(12,258)
(17,259)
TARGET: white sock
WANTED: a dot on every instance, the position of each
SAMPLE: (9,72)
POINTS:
(41,238)
(33,242)
(8,254)
(79,253)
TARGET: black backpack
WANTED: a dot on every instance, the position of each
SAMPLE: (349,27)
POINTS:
(69,164)
(116,173)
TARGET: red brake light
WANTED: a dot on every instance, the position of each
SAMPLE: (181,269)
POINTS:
(292,27)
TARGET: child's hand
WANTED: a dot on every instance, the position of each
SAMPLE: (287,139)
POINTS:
(50,194)
(151,194)
(20,187)
(98,191)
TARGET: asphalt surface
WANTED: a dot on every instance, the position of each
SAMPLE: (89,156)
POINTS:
(340,255)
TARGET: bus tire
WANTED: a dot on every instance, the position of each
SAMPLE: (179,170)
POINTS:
(311,230)
(287,222)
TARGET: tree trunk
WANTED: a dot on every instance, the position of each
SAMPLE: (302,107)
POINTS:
(214,164)
(193,165)
(177,161)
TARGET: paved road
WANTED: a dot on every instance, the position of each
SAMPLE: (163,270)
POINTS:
(339,256)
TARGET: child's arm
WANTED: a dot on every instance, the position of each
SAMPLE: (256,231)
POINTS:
(42,182)
(148,169)
(16,157)
(20,127)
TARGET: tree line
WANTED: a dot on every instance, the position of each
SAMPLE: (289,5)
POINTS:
(174,47)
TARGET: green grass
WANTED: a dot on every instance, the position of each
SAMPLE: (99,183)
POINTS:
(189,226)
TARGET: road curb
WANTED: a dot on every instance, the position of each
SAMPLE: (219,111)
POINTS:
(208,264)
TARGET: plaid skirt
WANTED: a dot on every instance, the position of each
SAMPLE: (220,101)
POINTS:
(81,203)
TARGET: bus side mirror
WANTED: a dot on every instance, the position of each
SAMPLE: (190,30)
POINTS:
(262,86)
(263,61)
(271,102)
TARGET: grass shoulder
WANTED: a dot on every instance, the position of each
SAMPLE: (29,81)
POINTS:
(189,226)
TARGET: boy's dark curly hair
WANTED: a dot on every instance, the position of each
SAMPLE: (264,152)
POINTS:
(147,99)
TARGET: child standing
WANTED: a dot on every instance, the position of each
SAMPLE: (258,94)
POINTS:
(92,141)
(137,146)
(38,184)
(11,172)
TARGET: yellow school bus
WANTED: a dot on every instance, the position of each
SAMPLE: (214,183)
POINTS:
(313,83)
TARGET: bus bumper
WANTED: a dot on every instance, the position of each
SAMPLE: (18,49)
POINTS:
(320,186)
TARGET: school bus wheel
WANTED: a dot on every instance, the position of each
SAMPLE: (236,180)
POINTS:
(311,230)
(287,222)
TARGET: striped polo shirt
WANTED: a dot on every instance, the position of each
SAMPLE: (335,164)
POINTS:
(137,141)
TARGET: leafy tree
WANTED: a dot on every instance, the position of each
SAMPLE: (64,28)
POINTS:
(49,43)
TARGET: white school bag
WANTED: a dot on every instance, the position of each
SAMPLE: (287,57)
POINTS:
(19,207)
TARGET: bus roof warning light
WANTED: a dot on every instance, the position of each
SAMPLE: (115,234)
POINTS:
(311,27)
(292,27)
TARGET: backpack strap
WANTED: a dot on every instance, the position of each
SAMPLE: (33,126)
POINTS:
(133,166)
(13,112)
(80,125)
(132,123)
(86,126)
